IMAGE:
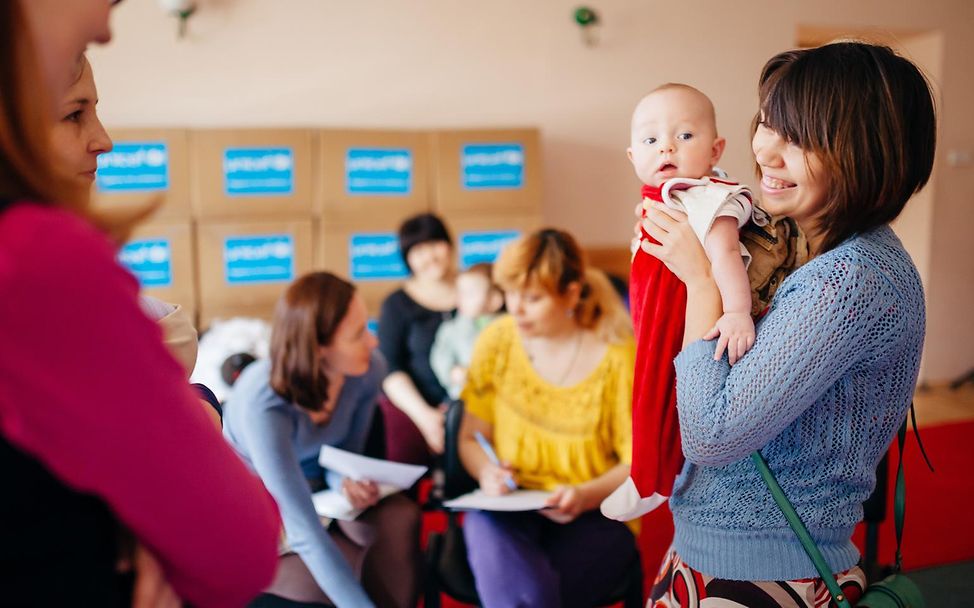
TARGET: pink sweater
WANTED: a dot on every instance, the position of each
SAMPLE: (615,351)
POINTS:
(87,388)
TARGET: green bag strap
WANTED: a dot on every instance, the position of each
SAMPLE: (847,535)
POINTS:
(899,510)
(800,530)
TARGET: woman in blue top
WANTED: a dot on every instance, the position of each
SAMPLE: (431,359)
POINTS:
(319,387)
(845,135)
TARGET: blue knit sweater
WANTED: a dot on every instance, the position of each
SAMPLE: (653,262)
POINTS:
(821,394)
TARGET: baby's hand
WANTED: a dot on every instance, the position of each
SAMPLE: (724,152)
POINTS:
(736,331)
(458,375)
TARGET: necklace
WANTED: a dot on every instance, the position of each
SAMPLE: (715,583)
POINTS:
(571,364)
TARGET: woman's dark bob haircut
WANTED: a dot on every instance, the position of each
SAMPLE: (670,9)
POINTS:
(422,228)
(868,114)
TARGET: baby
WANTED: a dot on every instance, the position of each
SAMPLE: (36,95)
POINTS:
(674,148)
(478,300)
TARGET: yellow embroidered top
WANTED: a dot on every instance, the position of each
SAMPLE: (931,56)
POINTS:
(551,435)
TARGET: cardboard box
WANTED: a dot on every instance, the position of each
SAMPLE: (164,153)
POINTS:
(480,238)
(249,264)
(490,171)
(145,164)
(251,173)
(161,256)
(365,253)
(365,174)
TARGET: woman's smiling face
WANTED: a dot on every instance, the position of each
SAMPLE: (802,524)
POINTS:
(793,181)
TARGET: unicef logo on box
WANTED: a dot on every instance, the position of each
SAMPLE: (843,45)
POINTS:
(492,166)
(378,171)
(150,260)
(477,247)
(258,259)
(134,167)
(375,257)
(258,171)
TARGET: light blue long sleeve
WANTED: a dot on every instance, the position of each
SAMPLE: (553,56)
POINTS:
(821,394)
(274,436)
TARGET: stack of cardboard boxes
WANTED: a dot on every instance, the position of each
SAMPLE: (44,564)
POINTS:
(488,187)
(146,165)
(252,196)
(247,211)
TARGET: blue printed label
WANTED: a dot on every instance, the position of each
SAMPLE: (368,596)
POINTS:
(492,166)
(134,167)
(150,260)
(477,247)
(375,257)
(378,171)
(258,259)
(258,171)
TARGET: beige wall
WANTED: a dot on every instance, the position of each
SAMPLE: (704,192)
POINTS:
(449,63)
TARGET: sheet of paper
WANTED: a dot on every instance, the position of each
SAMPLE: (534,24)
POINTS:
(333,504)
(519,500)
(358,467)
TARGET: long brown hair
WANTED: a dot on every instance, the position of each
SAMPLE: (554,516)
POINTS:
(28,169)
(552,260)
(26,163)
(305,319)
(868,114)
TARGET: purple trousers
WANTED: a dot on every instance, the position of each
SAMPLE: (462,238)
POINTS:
(525,559)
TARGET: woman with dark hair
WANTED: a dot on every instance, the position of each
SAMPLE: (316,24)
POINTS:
(319,387)
(551,386)
(91,403)
(410,316)
(844,136)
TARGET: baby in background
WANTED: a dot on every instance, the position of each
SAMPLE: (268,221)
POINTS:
(674,148)
(478,302)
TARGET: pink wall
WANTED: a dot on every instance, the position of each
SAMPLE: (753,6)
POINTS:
(443,63)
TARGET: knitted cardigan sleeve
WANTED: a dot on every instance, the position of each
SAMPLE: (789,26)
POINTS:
(820,325)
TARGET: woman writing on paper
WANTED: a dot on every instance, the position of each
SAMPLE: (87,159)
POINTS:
(319,387)
(549,386)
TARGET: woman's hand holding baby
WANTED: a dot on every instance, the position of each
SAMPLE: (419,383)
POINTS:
(678,248)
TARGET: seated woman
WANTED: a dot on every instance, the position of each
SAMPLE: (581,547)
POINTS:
(413,412)
(319,387)
(550,385)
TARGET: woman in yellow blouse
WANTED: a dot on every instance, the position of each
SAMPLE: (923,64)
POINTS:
(550,386)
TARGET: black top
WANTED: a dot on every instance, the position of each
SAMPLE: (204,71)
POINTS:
(58,546)
(406,333)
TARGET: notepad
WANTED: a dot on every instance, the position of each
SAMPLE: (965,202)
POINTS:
(362,468)
(333,504)
(519,500)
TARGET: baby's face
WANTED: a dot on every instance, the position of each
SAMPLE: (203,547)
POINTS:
(473,294)
(674,135)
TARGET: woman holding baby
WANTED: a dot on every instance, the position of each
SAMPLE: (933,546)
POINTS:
(844,136)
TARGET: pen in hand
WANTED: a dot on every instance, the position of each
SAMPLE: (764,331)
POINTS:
(492,456)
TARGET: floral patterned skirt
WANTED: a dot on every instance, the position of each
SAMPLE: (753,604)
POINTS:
(679,586)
